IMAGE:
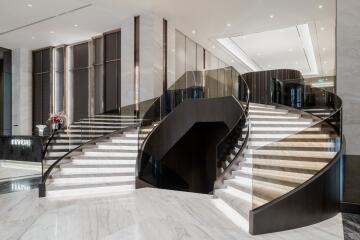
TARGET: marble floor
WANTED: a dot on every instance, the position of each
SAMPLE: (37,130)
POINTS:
(141,214)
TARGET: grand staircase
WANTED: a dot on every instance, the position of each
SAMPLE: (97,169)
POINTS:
(283,151)
(107,166)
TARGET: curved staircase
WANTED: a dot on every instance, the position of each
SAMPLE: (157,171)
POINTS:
(284,150)
(107,166)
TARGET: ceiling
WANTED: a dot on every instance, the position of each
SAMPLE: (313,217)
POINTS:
(38,23)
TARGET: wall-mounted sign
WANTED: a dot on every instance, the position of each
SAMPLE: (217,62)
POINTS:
(21,142)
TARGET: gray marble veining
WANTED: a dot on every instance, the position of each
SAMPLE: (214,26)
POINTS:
(141,214)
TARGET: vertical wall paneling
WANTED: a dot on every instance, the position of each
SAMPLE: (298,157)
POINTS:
(6,92)
(137,64)
(112,70)
(80,81)
(98,71)
(42,85)
(59,79)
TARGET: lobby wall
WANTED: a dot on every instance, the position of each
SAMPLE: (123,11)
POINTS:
(348,88)
(21,92)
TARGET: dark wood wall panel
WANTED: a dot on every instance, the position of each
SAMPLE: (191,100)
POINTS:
(81,80)
(81,94)
(260,82)
(112,60)
(41,85)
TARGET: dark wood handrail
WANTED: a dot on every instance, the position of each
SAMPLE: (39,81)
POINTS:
(45,150)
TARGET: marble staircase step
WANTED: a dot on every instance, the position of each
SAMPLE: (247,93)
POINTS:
(268,111)
(291,179)
(274,129)
(290,153)
(267,116)
(299,144)
(288,136)
(88,189)
(110,153)
(98,127)
(262,190)
(123,146)
(94,169)
(259,105)
(81,159)
(125,178)
(284,165)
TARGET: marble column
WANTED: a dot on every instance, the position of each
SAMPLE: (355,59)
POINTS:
(348,88)
(21,92)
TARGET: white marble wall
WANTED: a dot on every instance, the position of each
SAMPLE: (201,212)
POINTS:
(151,59)
(348,70)
(21,92)
(127,62)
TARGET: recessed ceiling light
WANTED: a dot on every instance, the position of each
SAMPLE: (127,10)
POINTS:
(75,25)
(243,37)
(213,46)
(325,62)
(290,50)
(326,72)
(193,32)
(232,60)
(324,49)
(296,62)
(30,5)
(269,65)
(322,28)
(228,24)
(271,16)
(33,37)
(52,32)
(320,6)
(259,54)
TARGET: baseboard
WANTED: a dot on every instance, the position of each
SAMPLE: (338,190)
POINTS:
(350,207)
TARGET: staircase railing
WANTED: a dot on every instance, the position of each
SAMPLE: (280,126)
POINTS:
(230,141)
(167,102)
(318,197)
(47,173)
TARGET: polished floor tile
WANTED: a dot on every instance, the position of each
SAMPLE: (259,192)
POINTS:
(140,214)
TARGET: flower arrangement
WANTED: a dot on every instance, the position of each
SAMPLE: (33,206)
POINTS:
(57,120)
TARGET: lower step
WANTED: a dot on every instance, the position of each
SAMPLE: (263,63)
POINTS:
(93,179)
(87,189)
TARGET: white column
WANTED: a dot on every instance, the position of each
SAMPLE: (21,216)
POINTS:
(21,92)
(348,71)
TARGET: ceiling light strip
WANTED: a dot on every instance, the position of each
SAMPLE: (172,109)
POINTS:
(46,19)
(305,36)
(234,49)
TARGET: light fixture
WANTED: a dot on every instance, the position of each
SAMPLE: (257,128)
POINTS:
(325,62)
(269,65)
(52,32)
(236,51)
(244,37)
(271,16)
(322,28)
(290,49)
(228,24)
(321,6)
(259,54)
(30,5)
(324,49)
(296,62)
(213,46)
(232,60)
(193,32)
(75,25)
(33,37)
(305,36)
